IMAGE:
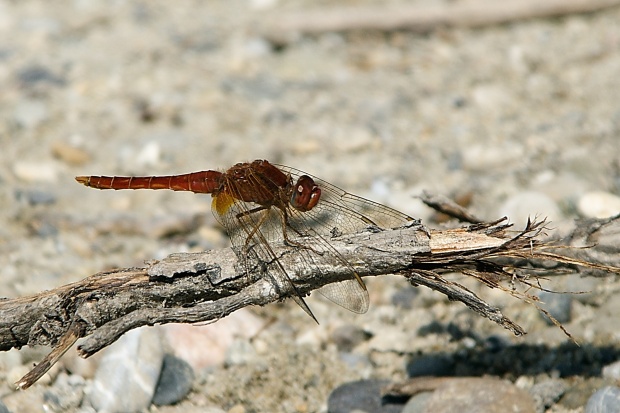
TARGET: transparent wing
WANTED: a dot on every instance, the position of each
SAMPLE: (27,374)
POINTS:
(340,212)
(337,213)
(253,229)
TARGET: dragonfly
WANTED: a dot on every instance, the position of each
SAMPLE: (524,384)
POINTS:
(262,205)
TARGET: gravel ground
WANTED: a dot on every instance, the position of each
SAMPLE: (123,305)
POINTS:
(524,118)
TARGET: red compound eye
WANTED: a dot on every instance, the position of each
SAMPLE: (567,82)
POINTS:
(306,194)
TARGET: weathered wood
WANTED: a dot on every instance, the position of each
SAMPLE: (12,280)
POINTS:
(281,28)
(207,286)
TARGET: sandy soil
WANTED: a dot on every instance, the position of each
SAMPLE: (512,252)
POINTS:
(159,87)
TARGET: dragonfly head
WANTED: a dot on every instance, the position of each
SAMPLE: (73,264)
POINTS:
(306,194)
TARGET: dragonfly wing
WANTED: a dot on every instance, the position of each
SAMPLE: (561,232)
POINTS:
(317,252)
(349,294)
(252,230)
(338,213)
(341,212)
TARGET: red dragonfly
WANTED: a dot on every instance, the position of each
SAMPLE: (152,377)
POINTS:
(262,204)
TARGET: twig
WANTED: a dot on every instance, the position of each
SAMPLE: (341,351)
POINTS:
(191,288)
(281,28)
(445,205)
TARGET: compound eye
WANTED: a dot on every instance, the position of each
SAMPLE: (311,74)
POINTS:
(306,194)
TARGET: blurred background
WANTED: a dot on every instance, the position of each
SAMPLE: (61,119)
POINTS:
(516,119)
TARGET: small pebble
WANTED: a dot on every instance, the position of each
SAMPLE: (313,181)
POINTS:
(584,287)
(69,154)
(558,305)
(360,396)
(417,403)
(348,336)
(30,113)
(150,155)
(578,395)
(355,362)
(35,74)
(10,359)
(65,394)
(42,171)
(480,395)
(404,297)
(546,393)
(256,47)
(605,400)
(127,375)
(35,197)
(612,371)
(240,352)
(599,204)
(175,381)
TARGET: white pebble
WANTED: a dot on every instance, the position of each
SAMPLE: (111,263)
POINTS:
(30,113)
(599,204)
(149,155)
(30,171)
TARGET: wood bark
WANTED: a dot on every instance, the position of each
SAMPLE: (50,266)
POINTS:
(207,286)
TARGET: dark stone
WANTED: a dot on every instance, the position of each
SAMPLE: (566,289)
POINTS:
(404,297)
(35,197)
(175,381)
(361,396)
(558,305)
(347,337)
(431,365)
(34,75)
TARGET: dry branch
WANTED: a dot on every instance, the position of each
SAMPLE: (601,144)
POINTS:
(282,27)
(199,287)
(447,206)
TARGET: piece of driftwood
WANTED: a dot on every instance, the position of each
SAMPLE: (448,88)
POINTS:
(281,28)
(200,287)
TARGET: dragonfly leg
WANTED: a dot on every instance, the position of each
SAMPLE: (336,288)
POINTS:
(255,228)
(287,240)
(297,297)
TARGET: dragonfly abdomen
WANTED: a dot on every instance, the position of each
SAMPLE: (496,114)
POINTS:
(204,182)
